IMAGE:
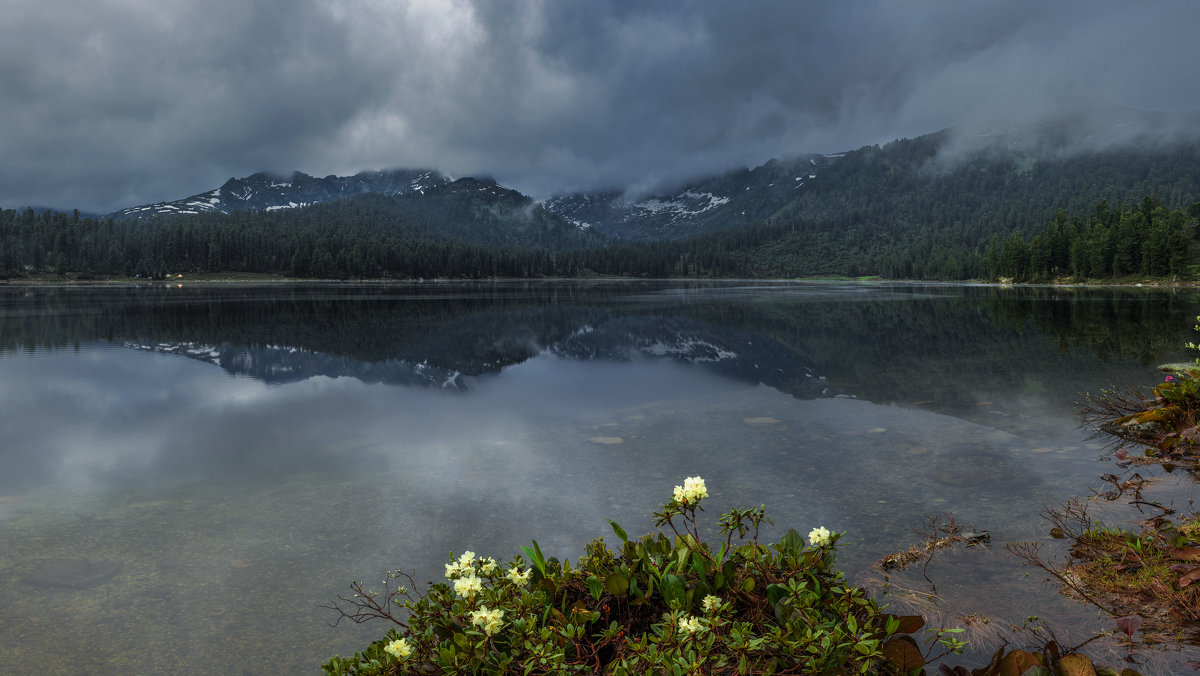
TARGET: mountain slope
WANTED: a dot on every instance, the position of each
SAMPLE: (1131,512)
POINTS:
(479,211)
(974,180)
(737,198)
(265,192)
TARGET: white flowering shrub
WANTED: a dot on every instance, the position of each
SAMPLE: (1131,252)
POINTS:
(666,602)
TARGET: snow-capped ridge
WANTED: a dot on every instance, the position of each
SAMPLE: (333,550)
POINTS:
(269,192)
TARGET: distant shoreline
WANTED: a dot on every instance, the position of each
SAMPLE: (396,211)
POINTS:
(272,280)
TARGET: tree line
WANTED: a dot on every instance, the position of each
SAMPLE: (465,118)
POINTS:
(367,236)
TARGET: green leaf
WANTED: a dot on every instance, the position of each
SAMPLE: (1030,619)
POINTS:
(791,543)
(618,530)
(674,591)
(616,584)
(891,625)
(775,592)
(682,558)
(633,588)
(535,556)
(783,609)
(907,624)
(595,586)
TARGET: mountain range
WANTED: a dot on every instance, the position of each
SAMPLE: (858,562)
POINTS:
(1012,176)
(739,197)
(1114,195)
(265,192)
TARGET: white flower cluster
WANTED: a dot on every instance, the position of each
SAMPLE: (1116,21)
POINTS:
(468,586)
(691,492)
(465,572)
(819,536)
(517,576)
(398,649)
(465,566)
(462,567)
(691,625)
(711,604)
(490,620)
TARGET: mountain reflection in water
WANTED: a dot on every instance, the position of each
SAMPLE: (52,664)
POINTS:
(193,471)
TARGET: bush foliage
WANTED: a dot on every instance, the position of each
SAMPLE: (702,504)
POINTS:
(667,602)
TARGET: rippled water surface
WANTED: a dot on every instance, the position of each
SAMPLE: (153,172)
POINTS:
(190,473)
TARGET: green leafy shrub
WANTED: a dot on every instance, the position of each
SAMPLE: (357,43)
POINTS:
(666,602)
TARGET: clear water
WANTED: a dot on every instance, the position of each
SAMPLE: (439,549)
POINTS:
(189,474)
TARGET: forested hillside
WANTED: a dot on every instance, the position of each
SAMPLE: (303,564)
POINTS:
(901,211)
(469,229)
(1128,239)
(905,210)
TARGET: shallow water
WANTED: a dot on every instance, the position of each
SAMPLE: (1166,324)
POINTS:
(190,473)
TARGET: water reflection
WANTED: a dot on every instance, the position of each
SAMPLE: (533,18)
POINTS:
(194,475)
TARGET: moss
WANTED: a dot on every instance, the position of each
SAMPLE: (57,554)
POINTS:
(1164,414)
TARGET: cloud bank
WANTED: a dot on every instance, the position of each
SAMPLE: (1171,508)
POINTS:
(111,103)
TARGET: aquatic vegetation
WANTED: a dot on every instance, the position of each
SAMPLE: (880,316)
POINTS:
(1145,573)
(1167,420)
(941,532)
(1148,574)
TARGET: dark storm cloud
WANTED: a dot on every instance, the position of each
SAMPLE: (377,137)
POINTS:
(110,103)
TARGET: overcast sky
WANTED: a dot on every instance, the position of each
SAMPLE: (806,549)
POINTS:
(112,103)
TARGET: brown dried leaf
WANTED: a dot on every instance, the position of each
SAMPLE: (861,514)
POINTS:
(1184,553)
(903,653)
(1076,665)
(1189,577)
(1016,662)
(909,624)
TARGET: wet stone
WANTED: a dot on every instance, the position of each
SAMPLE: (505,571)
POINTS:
(70,573)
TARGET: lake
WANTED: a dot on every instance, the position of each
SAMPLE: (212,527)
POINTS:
(190,472)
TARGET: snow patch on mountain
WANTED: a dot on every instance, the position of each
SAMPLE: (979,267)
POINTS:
(737,198)
(268,193)
(685,204)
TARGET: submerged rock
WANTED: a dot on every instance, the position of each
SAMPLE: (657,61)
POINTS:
(70,573)
(1183,370)
(1143,426)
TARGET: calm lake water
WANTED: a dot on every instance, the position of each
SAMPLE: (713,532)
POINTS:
(190,472)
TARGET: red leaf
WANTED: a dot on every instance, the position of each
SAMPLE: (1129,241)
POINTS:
(1129,624)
